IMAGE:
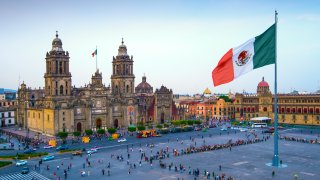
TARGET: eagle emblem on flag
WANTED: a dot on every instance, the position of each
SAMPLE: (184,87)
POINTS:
(243,58)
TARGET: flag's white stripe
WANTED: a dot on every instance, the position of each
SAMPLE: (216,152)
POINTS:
(248,66)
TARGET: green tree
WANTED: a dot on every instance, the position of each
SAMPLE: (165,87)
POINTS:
(197,122)
(132,128)
(141,128)
(101,131)
(76,133)
(226,98)
(166,125)
(159,126)
(190,122)
(88,132)
(176,123)
(63,136)
(111,130)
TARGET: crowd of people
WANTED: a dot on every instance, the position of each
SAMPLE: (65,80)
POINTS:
(299,139)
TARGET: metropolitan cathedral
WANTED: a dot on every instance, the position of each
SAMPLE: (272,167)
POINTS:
(60,106)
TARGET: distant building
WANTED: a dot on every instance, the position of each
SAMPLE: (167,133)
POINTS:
(7,117)
(293,108)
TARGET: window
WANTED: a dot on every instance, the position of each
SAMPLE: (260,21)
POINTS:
(9,114)
(61,90)
(39,115)
(283,116)
(311,110)
(265,109)
(305,118)
(9,121)
(48,117)
(293,117)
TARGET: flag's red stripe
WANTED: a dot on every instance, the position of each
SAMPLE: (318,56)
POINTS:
(224,71)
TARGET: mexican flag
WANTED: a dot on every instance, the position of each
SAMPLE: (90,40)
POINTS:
(94,53)
(255,53)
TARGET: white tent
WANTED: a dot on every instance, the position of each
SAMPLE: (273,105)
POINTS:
(261,119)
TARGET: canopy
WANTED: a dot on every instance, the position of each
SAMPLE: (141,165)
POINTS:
(261,119)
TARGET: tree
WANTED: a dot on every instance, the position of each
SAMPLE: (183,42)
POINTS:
(176,123)
(101,131)
(111,130)
(141,128)
(132,128)
(197,122)
(63,136)
(159,126)
(226,98)
(89,132)
(76,133)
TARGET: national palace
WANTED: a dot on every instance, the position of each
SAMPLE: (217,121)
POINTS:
(293,108)
(60,106)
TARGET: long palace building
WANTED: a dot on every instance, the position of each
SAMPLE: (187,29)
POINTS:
(62,107)
(293,108)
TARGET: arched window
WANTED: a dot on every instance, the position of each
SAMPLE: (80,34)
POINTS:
(49,90)
(116,90)
(127,89)
(61,90)
(56,88)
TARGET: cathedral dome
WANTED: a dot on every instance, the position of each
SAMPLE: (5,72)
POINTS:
(144,87)
(207,91)
(57,43)
(263,83)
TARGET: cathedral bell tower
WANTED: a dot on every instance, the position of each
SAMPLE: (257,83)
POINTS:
(122,78)
(57,76)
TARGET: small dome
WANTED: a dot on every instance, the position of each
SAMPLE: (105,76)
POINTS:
(122,51)
(144,87)
(57,43)
(207,91)
(263,83)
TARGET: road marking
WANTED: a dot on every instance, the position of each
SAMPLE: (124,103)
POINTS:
(19,176)
(240,163)
(309,174)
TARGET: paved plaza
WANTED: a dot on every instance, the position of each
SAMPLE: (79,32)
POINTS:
(240,162)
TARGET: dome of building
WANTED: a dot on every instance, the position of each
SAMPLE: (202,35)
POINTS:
(263,83)
(144,87)
(207,91)
(57,43)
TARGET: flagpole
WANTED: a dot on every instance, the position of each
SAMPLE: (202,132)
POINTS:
(96,58)
(275,160)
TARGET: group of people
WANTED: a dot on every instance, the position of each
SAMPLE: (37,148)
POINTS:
(299,139)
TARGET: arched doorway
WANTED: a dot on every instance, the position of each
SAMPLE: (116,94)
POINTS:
(162,118)
(98,123)
(115,123)
(79,127)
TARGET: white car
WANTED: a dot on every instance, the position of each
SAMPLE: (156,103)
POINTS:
(243,130)
(122,140)
(92,151)
(48,147)
(21,163)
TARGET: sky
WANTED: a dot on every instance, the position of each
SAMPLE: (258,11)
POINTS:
(175,43)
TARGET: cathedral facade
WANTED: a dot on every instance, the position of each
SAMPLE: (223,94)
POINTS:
(62,107)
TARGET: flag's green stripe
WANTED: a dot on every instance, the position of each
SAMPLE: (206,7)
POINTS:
(264,48)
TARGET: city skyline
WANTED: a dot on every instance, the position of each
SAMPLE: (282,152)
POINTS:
(182,45)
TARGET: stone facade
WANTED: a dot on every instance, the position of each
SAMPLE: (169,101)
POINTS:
(293,108)
(63,107)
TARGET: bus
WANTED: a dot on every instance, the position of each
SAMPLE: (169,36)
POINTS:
(259,125)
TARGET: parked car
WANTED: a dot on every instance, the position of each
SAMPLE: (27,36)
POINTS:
(21,162)
(29,151)
(122,140)
(25,170)
(47,158)
(92,151)
(61,148)
(76,153)
(48,147)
